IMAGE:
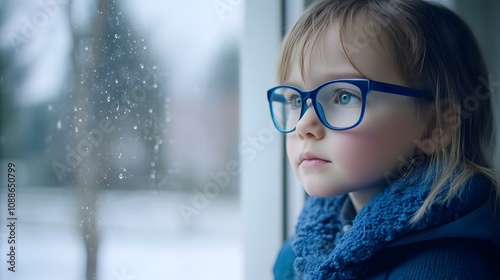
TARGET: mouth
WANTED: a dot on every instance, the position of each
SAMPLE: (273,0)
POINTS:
(309,160)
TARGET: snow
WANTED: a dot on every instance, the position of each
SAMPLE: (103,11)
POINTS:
(142,236)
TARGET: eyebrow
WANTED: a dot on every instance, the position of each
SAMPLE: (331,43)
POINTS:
(329,77)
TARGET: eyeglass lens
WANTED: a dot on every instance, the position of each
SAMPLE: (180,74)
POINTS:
(339,105)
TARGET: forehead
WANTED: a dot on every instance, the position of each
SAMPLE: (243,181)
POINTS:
(355,51)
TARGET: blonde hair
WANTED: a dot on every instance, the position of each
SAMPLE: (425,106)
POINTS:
(433,50)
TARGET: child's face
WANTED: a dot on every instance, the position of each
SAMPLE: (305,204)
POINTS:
(338,162)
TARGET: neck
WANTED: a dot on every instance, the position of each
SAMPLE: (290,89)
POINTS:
(362,197)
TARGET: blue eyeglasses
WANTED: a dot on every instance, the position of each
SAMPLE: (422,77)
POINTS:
(339,104)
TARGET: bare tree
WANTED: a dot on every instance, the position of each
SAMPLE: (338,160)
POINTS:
(85,53)
(111,68)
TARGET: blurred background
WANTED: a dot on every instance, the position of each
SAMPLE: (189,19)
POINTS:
(115,114)
(141,136)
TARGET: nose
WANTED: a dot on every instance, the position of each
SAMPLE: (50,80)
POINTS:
(309,126)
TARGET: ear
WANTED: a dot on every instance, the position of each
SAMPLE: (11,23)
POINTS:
(439,126)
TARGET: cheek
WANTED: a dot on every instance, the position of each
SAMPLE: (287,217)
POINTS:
(369,151)
(357,156)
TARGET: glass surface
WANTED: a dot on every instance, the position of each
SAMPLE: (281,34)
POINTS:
(121,119)
(340,104)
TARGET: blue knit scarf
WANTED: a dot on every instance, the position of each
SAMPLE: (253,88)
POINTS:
(324,252)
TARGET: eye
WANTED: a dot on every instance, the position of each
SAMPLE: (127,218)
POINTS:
(296,101)
(346,98)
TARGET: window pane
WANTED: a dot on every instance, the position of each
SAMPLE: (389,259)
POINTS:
(120,122)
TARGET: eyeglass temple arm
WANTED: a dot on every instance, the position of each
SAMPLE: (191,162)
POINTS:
(400,90)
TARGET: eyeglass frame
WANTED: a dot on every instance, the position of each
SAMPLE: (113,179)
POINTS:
(365,85)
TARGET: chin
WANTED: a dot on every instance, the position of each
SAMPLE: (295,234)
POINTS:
(324,191)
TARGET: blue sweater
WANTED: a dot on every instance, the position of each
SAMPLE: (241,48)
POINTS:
(460,240)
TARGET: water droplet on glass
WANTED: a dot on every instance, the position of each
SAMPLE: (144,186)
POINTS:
(155,85)
(153,176)
(116,36)
(76,109)
(109,98)
(141,65)
(144,47)
(120,176)
(150,111)
(76,129)
(116,81)
(58,124)
(79,120)
(156,147)
(120,155)
(135,126)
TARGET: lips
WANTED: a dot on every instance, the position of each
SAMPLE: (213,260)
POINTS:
(308,159)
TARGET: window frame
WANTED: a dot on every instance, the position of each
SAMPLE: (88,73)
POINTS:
(271,197)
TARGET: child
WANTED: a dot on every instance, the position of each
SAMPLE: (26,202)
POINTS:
(387,109)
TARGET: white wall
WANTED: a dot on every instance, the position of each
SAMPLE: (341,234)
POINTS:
(295,194)
(261,152)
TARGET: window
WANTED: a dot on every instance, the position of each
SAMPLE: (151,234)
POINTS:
(139,138)
(120,119)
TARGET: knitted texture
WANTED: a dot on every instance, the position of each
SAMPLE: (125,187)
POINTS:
(323,252)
